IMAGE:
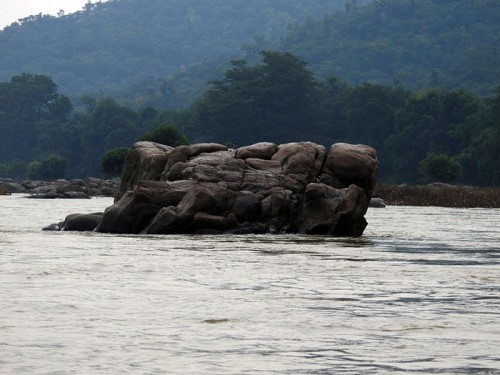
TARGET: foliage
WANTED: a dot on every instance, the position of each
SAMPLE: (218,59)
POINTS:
(166,135)
(50,168)
(43,138)
(272,101)
(433,120)
(14,169)
(112,161)
(31,112)
(110,46)
(482,155)
(276,98)
(418,44)
(162,52)
(441,168)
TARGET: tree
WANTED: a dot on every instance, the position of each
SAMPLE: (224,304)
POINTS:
(166,135)
(368,115)
(16,169)
(51,167)
(29,106)
(112,161)
(290,96)
(441,168)
(428,123)
(481,158)
(277,100)
(105,126)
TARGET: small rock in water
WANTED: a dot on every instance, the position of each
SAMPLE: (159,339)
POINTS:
(52,227)
(377,203)
(215,321)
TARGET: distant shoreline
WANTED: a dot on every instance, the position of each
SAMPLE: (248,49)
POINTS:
(437,194)
(440,195)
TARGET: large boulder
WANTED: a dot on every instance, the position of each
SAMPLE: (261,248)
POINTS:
(262,188)
(9,186)
(144,161)
(136,209)
(348,164)
(330,211)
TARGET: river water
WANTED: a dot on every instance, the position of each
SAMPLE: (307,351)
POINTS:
(418,293)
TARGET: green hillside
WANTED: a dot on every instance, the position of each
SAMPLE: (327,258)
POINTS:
(412,43)
(114,45)
(402,43)
(417,79)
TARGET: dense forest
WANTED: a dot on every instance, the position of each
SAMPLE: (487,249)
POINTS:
(162,53)
(108,47)
(413,43)
(429,135)
(418,80)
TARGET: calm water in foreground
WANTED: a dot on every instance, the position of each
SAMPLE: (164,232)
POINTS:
(418,293)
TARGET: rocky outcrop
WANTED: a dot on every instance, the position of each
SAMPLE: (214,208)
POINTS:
(263,188)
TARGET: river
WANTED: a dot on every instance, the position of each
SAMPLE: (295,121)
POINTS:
(418,293)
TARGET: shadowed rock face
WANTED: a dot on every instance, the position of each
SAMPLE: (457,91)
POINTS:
(261,188)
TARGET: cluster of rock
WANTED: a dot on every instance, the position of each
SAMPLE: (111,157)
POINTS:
(66,189)
(261,188)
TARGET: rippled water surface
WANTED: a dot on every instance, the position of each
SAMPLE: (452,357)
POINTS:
(418,293)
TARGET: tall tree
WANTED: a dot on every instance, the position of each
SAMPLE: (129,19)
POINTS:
(427,124)
(106,125)
(274,101)
(30,109)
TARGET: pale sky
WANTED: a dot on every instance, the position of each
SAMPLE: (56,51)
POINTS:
(12,10)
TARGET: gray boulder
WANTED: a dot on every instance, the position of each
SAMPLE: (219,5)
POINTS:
(377,203)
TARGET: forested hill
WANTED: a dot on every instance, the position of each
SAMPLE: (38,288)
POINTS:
(163,52)
(121,42)
(415,44)
(412,43)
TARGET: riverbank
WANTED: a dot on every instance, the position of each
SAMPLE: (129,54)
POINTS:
(439,195)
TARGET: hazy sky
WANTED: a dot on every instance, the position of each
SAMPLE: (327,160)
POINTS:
(12,10)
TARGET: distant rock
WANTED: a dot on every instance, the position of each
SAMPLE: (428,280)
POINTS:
(377,203)
(53,194)
(61,189)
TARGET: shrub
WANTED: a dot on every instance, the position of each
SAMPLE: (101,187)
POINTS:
(51,168)
(166,135)
(441,168)
(112,161)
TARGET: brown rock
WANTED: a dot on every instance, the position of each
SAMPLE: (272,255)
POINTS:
(208,188)
(348,164)
(263,150)
(144,161)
